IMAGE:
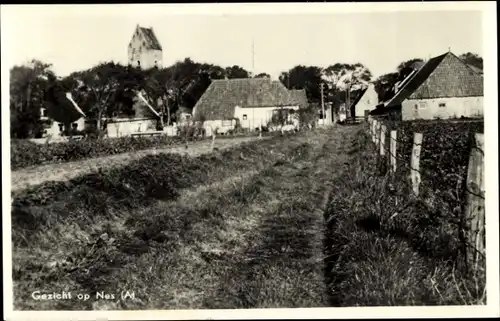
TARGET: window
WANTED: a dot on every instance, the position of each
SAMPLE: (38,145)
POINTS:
(60,127)
(244,117)
(368,101)
(43,112)
(138,63)
(74,125)
(442,104)
(416,107)
(423,105)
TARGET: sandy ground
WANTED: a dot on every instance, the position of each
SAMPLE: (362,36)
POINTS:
(26,177)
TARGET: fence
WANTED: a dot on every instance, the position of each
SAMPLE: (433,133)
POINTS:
(387,144)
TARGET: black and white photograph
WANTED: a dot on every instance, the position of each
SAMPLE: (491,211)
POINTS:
(249,160)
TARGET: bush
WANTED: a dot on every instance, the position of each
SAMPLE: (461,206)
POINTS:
(25,153)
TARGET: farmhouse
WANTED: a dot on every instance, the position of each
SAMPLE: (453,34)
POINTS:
(365,102)
(251,100)
(444,87)
(146,119)
(144,49)
(55,128)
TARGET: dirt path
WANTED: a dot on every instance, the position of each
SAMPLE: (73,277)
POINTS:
(24,178)
(256,242)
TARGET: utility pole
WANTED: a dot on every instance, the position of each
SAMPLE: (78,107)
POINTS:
(322,102)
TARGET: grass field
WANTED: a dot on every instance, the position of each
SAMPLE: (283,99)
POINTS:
(241,228)
(31,176)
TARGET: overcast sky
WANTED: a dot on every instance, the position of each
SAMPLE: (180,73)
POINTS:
(73,37)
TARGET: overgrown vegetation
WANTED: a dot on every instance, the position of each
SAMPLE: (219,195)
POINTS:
(25,153)
(386,247)
(245,221)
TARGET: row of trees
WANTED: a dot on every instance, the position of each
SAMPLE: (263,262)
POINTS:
(106,90)
(109,89)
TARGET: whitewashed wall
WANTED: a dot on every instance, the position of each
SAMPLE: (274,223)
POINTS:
(256,116)
(122,128)
(55,131)
(454,107)
(367,102)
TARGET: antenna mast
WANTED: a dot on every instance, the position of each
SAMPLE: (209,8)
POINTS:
(253,57)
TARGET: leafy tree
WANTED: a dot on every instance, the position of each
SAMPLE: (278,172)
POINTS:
(304,77)
(263,75)
(27,91)
(384,85)
(236,72)
(307,116)
(99,88)
(342,78)
(472,59)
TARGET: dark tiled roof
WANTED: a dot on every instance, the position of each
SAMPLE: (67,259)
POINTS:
(442,76)
(223,95)
(418,79)
(151,40)
(299,97)
(476,69)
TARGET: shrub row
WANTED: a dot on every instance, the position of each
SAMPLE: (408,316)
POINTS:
(25,153)
(444,155)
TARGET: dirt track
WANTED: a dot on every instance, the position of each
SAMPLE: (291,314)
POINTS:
(26,177)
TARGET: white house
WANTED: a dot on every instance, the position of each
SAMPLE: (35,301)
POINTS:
(366,101)
(55,129)
(444,87)
(251,100)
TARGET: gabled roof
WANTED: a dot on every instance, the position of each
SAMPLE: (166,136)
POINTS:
(150,38)
(359,96)
(476,69)
(223,95)
(454,79)
(299,97)
(417,79)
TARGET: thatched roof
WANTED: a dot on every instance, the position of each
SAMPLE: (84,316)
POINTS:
(151,40)
(299,97)
(442,76)
(223,95)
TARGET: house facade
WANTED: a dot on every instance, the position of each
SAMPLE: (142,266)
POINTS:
(54,128)
(146,119)
(144,49)
(252,101)
(444,87)
(366,101)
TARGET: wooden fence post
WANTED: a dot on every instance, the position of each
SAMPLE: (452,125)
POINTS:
(213,142)
(383,132)
(474,210)
(377,133)
(374,124)
(415,162)
(393,150)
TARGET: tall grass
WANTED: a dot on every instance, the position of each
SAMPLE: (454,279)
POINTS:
(387,248)
(73,235)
